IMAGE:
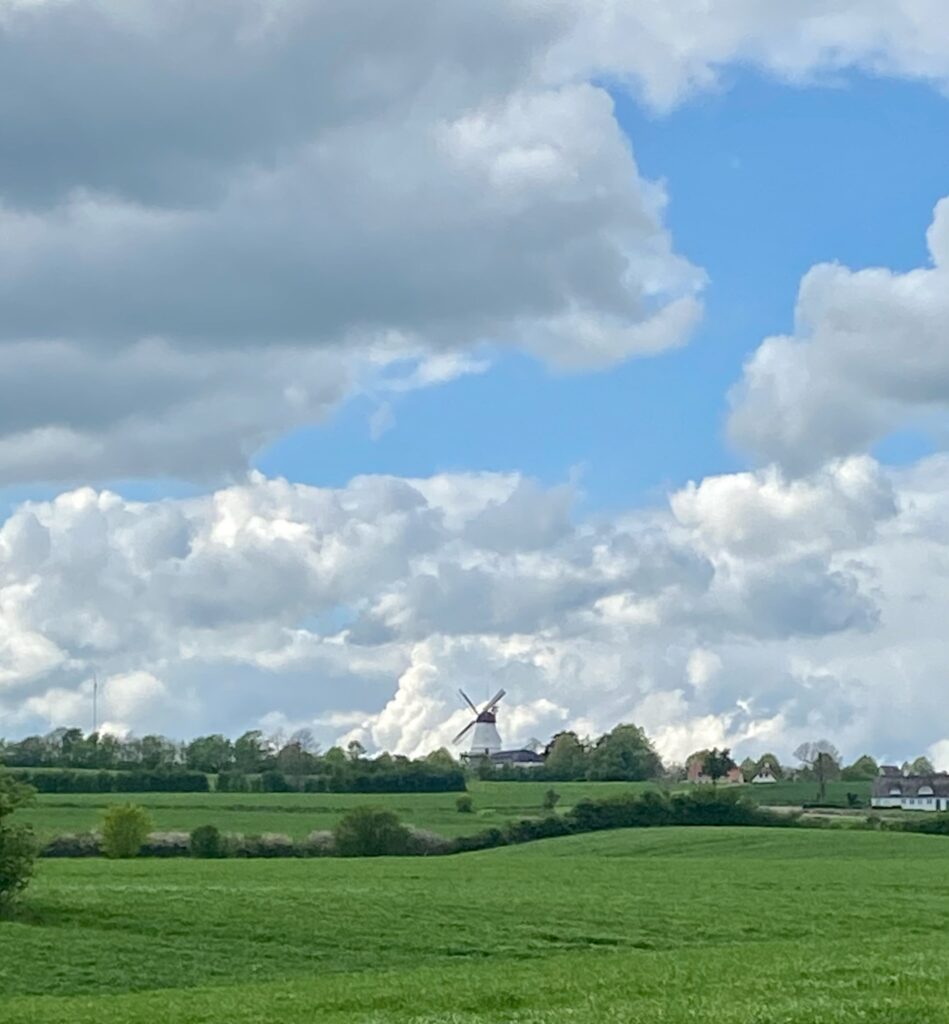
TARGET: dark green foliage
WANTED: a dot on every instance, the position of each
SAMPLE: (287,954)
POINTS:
(18,847)
(551,799)
(371,832)
(566,759)
(624,755)
(925,824)
(125,828)
(73,844)
(207,841)
(65,781)
(464,804)
(864,769)
(716,764)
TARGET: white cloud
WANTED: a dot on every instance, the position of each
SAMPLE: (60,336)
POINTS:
(870,354)
(358,611)
(256,229)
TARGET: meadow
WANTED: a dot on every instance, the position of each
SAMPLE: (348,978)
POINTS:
(739,926)
(297,814)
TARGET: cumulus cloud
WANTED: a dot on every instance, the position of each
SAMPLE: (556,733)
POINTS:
(215,229)
(257,229)
(359,610)
(870,354)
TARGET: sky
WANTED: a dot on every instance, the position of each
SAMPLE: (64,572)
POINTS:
(350,354)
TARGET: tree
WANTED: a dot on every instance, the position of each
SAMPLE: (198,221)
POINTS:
(441,758)
(17,843)
(717,764)
(249,751)
(864,769)
(371,832)
(210,754)
(625,754)
(823,759)
(922,766)
(749,768)
(566,758)
(551,799)
(124,828)
(464,804)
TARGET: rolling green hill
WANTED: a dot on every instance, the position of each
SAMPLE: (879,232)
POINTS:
(743,926)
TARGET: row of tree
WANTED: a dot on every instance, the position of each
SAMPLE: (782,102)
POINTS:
(625,753)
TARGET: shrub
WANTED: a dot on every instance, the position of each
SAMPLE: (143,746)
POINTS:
(125,828)
(73,844)
(166,844)
(551,799)
(207,841)
(371,832)
(270,844)
(464,804)
(318,844)
(17,842)
(423,843)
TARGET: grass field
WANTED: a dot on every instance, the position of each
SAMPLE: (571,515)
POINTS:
(736,926)
(297,814)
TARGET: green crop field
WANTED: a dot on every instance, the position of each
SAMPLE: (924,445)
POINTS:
(736,926)
(297,814)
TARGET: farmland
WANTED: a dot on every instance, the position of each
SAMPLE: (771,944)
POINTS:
(297,814)
(741,926)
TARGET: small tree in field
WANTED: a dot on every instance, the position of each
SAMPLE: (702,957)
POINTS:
(17,843)
(717,764)
(124,828)
(464,804)
(371,832)
(822,758)
(551,799)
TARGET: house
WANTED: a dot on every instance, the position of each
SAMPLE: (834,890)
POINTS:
(694,771)
(764,775)
(891,788)
(526,759)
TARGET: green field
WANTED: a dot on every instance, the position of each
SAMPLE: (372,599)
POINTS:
(297,814)
(736,926)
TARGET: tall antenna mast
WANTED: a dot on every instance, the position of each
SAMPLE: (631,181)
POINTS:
(95,702)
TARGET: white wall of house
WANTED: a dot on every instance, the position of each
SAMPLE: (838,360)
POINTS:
(912,803)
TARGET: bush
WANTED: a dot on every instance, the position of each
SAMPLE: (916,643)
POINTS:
(371,832)
(125,828)
(207,841)
(551,799)
(73,844)
(270,844)
(423,843)
(318,844)
(464,804)
(166,844)
(17,843)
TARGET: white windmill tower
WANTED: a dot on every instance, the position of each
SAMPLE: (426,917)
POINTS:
(485,740)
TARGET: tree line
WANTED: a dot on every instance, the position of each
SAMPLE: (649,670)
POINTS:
(278,762)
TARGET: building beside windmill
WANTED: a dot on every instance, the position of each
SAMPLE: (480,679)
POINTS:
(486,740)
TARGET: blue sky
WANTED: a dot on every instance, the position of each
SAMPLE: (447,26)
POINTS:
(764,180)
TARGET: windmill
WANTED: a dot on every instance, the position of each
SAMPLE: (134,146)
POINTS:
(485,740)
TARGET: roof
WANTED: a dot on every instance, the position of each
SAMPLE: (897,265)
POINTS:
(910,785)
(517,756)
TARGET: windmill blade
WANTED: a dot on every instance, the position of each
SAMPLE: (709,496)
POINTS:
(467,700)
(470,725)
(494,700)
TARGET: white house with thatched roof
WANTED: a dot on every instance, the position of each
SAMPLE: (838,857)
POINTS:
(891,788)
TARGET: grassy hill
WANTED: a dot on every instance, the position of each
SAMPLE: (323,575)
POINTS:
(297,814)
(741,926)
